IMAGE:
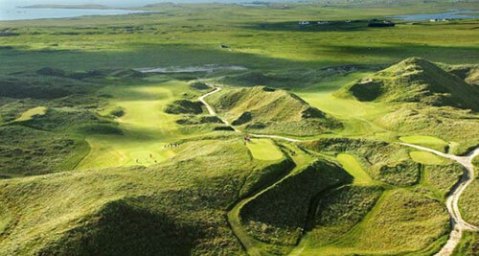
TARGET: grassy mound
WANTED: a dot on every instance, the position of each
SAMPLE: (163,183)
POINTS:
(123,228)
(184,107)
(416,80)
(279,215)
(176,208)
(266,110)
(402,222)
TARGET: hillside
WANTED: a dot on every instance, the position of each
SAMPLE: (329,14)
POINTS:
(176,208)
(267,110)
(416,80)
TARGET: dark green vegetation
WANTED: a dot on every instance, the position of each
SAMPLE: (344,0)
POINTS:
(129,163)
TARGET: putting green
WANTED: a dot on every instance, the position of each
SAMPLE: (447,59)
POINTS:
(29,114)
(428,158)
(423,140)
(147,129)
(353,167)
(264,149)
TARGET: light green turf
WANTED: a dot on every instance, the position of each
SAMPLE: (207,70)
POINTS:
(353,167)
(428,141)
(147,129)
(428,158)
(264,149)
(29,114)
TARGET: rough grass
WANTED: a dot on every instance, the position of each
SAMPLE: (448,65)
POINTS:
(469,203)
(469,245)
(339,211)
(442,178)
(26,151)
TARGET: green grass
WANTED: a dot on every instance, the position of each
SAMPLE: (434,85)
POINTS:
(264,149)
(428,141)
(468,245)
(427,158)
(147,129)
(84,208)
(31,113)
(146,181)
(267,110)
(354,168)
(469,202)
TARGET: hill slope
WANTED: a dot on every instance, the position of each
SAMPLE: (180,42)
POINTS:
(416,80)
(266,110)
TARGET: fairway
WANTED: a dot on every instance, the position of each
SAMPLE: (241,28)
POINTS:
(29,114)
(264,149)
(147,130)
(353,167)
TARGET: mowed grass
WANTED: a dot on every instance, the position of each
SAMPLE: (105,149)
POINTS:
(427,158)
(29,114)
(264,149)
(427,141)
(353,167)
(147,130)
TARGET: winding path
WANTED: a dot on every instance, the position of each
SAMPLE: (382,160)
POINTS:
(452,202)
(212,112)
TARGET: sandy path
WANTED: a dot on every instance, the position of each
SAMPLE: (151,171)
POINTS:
(452,202)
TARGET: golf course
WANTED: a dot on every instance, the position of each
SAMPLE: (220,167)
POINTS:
(263,128)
